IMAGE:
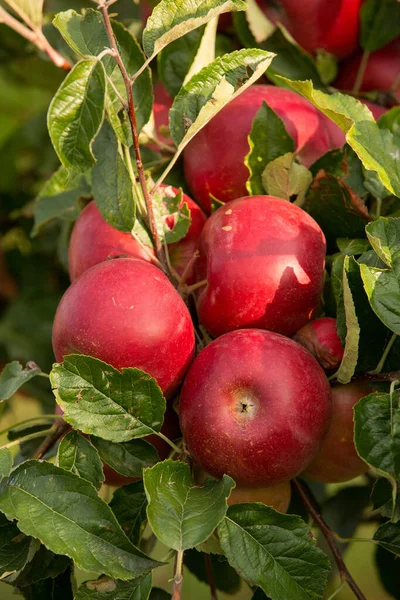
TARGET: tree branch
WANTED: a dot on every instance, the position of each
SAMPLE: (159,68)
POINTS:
(58,431)
(330,538)
(103,7)
(36,37)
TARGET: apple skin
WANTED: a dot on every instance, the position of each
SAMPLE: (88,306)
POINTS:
(381,72)
(331,25)
(263,259)
(256,406)
(93,240)
(161,105)
(126,313)
(276,496)
(214,159)
(321,339)
(337,459)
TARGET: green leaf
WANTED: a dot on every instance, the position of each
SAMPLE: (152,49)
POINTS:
(274,551)
(129,458)
(66,514)
(172,222)
(338,210)
(106,588)
(383,291)
(380,23)
(44,564)
(76,113)
(388,536)
(384,237)
(176,59)
(30,11)
(6,462)
(375,147)
(211,89)
(78,455)
(382,498)
(129,505)
(268,139)
(15,547)
(391,120)
(291,60)
(171,19)
(377,432)
(112,185)
(59,198)
(284,178)
(181,513)
(14,375)
(58,588)
(102,401)
(225,577)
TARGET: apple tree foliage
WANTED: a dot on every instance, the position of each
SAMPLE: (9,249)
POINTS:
(52,518)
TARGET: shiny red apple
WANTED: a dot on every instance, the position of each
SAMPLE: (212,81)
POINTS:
(263,260)
(255,405)
(93,240)
(214,159)
(337,460)
(331,25)
(126,313)
(382,72)
(320,337)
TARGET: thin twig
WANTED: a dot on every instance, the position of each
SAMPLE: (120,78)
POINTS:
(36,37)
(330,538)
(132,119)
(57,432)
(361,72)
(210,577)
(178,576)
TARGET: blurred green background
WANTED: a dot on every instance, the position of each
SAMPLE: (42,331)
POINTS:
(32,270)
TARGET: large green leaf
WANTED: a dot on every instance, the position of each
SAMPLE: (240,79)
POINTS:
(384,237)
(268,139)
(350,356)
(375,147)
(274,551)
(102,401)
(207,92)
(6,462)
(383,290)
(66,514)
(15,547)
(44,564)
(129,506)
(380,23)
(14,375)
(377,432)
(77,454)
(181,513)
(112,185)
(129,458)
(106,588)
(171,19)
(285,178)
(76,114)
(388,536)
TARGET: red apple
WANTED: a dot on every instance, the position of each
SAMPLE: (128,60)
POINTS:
(320,337)
(255,405)
(382,70)
(214,159)
(126,313)
(263,259)
(162,104)
(331,25)
(277,496)
(93,240)
(337,459)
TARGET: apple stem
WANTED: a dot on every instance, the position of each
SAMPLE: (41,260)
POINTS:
(103,7)
(178,576)
(384,356)
(175,448)
(330,538)
(55,433)
(210,577)
(361,72)
(188,269)
(192,288)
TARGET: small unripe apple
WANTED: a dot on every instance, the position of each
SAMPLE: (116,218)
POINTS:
(337,460)
(93,240)
(320,337)
(256,406)
(214,159)
(126,313)
(381,73)
(277,496)
(263,259)
(331,25)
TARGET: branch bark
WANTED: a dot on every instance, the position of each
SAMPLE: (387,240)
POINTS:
(330,538)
